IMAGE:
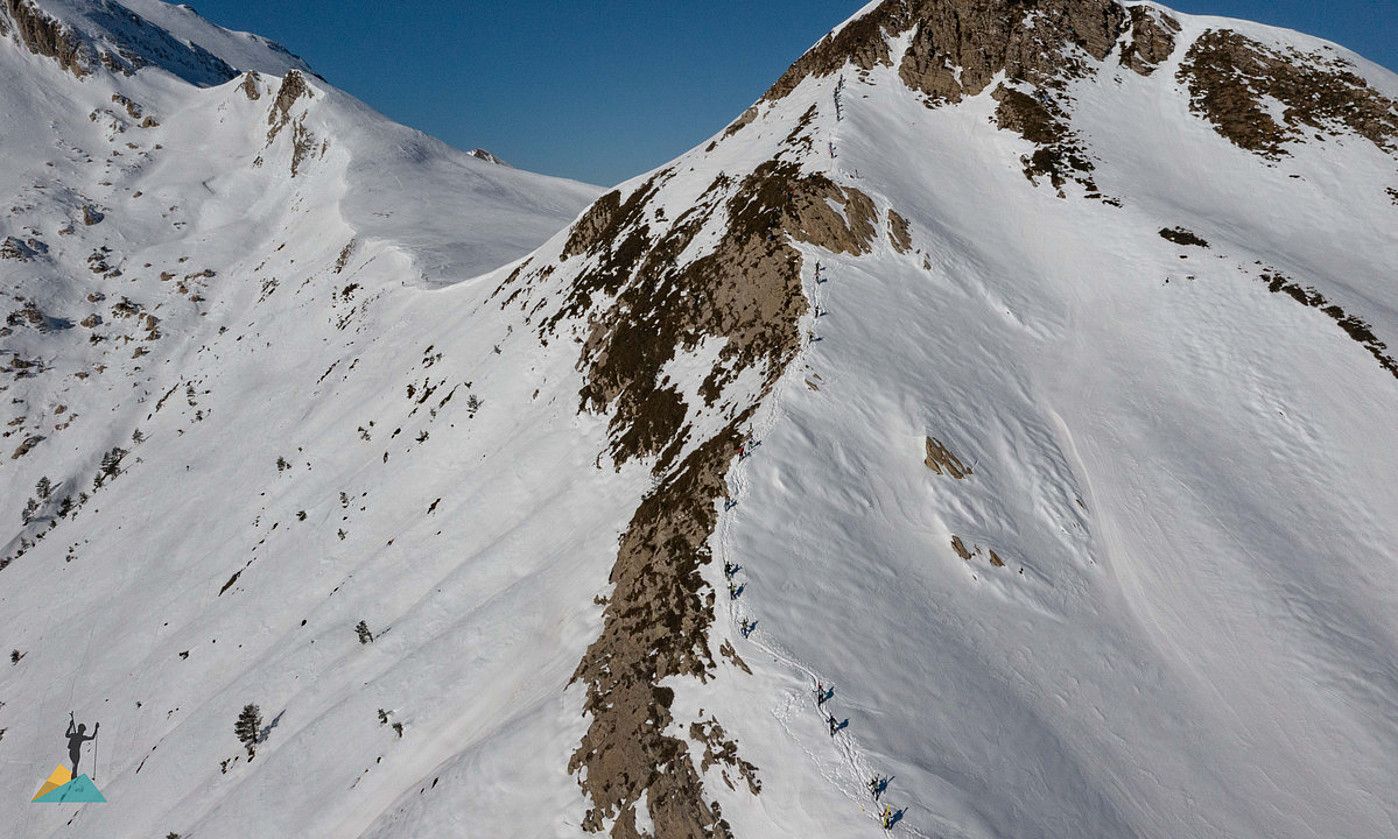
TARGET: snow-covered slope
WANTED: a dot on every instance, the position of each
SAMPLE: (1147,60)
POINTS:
(205,274)
(242,51)
(1021,365)
(1075,475)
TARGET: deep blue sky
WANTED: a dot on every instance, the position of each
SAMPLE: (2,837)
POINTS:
(600,90)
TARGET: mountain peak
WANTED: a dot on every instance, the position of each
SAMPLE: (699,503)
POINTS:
(85,36)
(488,156)
(954,48)
(947,50)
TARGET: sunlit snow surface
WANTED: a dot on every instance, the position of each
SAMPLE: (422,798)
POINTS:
(1206,644)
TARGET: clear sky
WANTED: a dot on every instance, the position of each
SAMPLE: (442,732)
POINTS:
(600,90)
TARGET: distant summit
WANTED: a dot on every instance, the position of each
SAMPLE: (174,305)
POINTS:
(488,157)
(85,35)
(127,36)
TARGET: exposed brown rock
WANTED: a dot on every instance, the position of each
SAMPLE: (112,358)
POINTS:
(1152,39)
(813,219)
(746,290)
(16,249)
(969,554)
(1228,75)
(641,307)
(302,145)
(27,446)
(607,217)
(489,157)
(800,138)
(1061,156)
(959,46)
(719,750)
(292,90)
(863,43)
(251,86)
(1181,236)
(303,141)
(743,121)
(726,650)
(343,259)
(127,308)
(940,460)
(1027,116)
(133,109)
(899,234)
(45,36)
(656,625)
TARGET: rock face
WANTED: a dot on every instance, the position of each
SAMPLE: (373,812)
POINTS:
(958,46)
(940,460)
(1152,39)
(1230,76)
(251,86)
(45,36)
(292,91)
(1061,156)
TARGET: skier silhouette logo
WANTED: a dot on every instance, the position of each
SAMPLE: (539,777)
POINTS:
(64,785)
(76,738)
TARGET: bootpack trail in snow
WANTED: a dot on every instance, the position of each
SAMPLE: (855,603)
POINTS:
(851,777)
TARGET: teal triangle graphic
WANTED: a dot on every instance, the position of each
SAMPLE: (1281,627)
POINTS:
(80,790)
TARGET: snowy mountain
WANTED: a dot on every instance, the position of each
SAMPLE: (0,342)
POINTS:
(1014,371)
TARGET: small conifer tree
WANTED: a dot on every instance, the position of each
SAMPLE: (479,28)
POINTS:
(247,728)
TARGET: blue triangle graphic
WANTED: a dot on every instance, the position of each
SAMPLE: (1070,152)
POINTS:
(80,790)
